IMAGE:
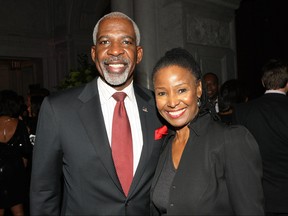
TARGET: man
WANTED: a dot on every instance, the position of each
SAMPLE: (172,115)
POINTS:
(211,83)
(74,134)
(267,119)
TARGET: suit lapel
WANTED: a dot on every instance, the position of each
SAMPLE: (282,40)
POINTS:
(92,119)
(145,113)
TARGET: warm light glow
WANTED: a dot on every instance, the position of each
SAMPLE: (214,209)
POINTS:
(15,65)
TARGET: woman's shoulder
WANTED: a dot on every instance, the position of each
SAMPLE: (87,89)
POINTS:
(217,130)
(221,126)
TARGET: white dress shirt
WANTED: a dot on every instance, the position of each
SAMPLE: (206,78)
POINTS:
(108,103)
(274,91)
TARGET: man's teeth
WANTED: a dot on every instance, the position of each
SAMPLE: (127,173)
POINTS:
(116,65)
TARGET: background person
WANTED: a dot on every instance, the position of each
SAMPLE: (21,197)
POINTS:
(266,118)
(15,153)
(231,92)
(212,86)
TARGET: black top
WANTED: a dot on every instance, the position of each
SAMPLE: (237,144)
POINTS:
(13,174)
(219,172)
(162,188)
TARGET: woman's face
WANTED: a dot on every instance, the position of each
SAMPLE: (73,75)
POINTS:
(177,92)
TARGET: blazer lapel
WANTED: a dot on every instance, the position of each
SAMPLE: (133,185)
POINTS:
(92,119)
(161,162)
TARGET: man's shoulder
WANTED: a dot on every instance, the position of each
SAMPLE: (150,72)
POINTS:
(251,103)
(275,96)
(66,94)
(271,98)
(139,87)
(83,92)
(143,92)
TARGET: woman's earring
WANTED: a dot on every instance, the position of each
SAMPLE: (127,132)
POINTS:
(198,102)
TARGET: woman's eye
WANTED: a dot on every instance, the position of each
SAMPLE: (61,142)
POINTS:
(161,93)
(182,90)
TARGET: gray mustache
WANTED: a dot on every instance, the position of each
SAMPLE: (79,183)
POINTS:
(116,58)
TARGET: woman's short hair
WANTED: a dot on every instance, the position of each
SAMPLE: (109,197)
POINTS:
(9,103)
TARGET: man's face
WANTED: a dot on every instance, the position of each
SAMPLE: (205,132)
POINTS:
(116,53)
(212,86)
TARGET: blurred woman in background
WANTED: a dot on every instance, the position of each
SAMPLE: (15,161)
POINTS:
(15,153)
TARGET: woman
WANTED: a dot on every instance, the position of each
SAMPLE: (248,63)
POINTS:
(15,151)
(206,168)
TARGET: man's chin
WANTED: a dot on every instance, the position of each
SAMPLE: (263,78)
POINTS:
(116,79)
(115,82)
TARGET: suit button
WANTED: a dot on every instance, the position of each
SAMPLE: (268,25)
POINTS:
(171,205)
(127,204)
(173,187)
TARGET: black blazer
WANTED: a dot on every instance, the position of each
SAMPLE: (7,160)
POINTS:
(71,142)
(267,119)
(219,173)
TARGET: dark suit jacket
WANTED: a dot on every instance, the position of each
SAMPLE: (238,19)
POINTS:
(220,172)
(267,119)
(71,140)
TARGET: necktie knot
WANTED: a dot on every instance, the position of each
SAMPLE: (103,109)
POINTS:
(119,96)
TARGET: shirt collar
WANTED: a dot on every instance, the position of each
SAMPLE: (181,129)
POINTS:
(274,91)
(198,125)
(107,91)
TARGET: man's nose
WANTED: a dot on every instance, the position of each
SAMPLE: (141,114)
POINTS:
(115,49)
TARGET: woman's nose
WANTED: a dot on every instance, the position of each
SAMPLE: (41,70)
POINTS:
(173,101)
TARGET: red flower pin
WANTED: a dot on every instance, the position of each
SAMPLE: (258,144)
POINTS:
(160,132)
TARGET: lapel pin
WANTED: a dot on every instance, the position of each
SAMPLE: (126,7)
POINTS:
(144,109)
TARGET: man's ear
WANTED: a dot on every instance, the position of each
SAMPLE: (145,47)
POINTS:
(263,83)
(139,54)
(93,53)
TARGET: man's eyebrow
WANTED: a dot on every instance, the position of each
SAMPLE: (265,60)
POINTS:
(130,37)
(102,36)
(123,37)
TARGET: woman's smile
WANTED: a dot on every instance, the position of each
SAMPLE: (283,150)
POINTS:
(177,113)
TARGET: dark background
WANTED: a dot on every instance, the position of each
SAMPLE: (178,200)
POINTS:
(261,34)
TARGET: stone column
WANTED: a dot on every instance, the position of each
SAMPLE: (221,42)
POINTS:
(145,17)
(137,10)
(124,6)
(143,13)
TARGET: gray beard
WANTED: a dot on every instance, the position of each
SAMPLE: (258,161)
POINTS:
(117,79)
